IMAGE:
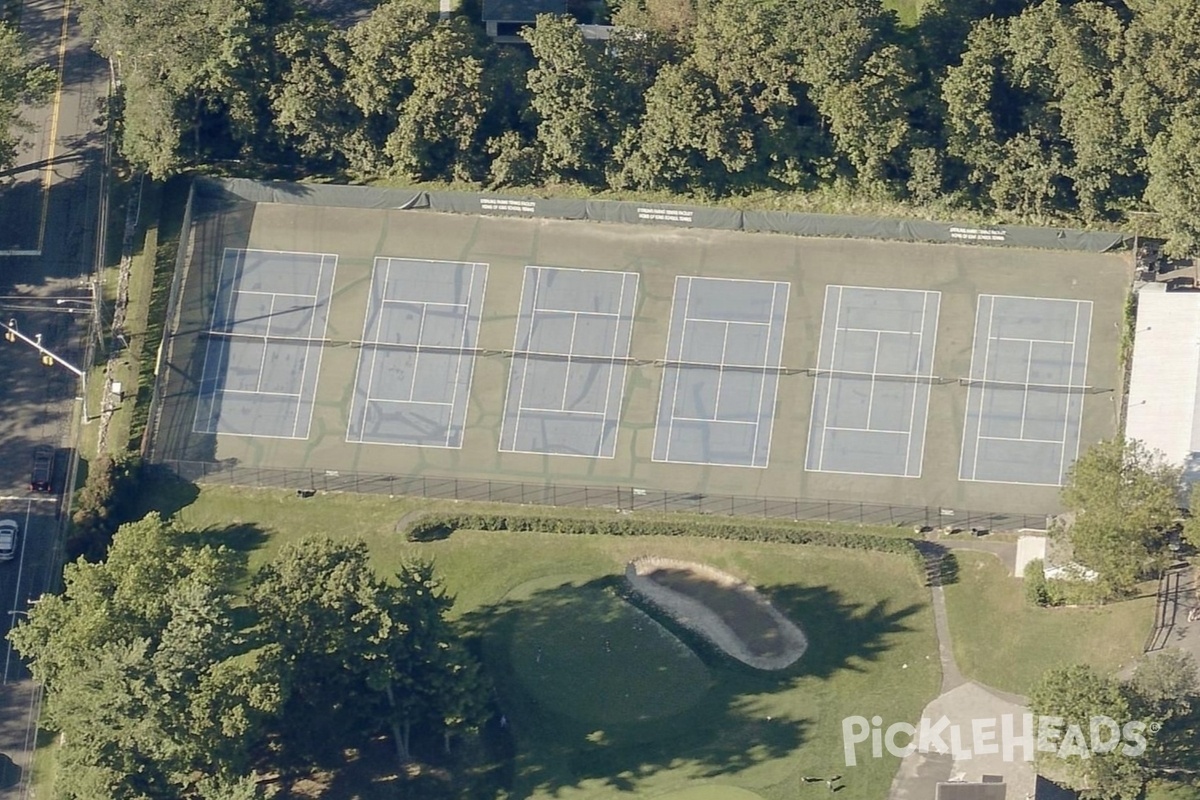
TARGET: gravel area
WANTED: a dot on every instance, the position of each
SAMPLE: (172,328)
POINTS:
(789,644)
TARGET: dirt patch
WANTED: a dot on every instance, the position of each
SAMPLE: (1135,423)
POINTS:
(724,610)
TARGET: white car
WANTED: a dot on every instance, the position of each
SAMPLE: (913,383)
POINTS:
(8,539)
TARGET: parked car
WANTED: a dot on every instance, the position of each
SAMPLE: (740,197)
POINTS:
(42,477)
(9,532)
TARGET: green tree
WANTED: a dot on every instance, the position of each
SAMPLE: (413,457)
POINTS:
(571,97)
(1174,171)
(312,109)
(438,133)
(143,673)
(21,83)
(1123,497)
(1078,694)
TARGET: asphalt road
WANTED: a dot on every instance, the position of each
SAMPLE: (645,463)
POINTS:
(49,207)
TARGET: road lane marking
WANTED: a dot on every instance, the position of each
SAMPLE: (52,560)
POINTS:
(48,174)
(21,544)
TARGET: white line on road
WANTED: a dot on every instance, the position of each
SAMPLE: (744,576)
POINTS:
(17,594)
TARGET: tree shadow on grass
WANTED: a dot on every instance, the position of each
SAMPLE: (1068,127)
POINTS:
(728,727)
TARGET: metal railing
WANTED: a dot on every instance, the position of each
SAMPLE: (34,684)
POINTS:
(622,498)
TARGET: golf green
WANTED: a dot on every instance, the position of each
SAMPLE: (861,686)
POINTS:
(592,656)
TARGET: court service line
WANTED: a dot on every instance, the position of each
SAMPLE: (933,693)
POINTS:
(1062,455)
(837,318)
(612,366)
(462,359)
(412,387)
(367,400)
(567,372)
(1025,391)
(762,384)
(1011,439)
(912,415)
(687,305)
(1026,339)
(312,321)
(865,430)
(258,393)
(533,308)
(987,354)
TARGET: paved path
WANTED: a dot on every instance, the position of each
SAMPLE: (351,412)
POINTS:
(961,701)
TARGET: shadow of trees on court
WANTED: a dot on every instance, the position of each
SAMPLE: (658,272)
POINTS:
(730,728)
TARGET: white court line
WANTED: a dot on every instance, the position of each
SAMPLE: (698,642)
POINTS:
(721,375)
(733,321)
(1062,455)
(17,594)
(1025,392)
(912,415)
(417,355)
(1027,339)
(564,411)
(786,288)
(244,250)
(612,367)
(567,373)
(533,309)
(263,394)
(312,321)
(864,430)
(987,352)
(1087,344)
(210,425)
(442,403)
(1031,297)
(552,310)
(1022,439)
(874,372)
(282,294)
(262,364)
(833,360)
(662,392)
(687,304)
(928,373)
(462,358)
(424,303)
(512,367)
(883,330)
(706,420)
(366,403)
(762,384)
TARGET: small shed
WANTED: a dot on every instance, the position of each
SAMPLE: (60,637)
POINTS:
(504,19)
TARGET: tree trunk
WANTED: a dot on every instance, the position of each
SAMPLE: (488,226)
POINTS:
(400,737)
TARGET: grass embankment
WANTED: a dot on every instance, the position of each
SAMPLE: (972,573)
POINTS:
(538,600)
(1002,641)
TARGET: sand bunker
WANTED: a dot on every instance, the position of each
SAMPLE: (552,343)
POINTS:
(724,610)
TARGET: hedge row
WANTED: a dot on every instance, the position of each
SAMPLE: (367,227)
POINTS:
(440,525)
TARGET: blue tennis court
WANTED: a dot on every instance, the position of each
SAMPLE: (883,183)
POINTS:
(721,372)
(263,345)
(569,359)
(1026,389)
(873,377)
(418,353)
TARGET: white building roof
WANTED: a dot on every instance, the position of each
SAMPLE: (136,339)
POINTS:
(1164,387)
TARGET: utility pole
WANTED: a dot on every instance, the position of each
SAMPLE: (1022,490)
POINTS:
(49,357)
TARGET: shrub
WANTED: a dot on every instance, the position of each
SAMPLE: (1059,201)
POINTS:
(110,486)
(440,525)
(1036,590)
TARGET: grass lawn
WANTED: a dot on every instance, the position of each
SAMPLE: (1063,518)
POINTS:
(1003,642)
(602,700)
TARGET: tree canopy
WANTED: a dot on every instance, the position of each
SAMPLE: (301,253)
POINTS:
(167,682)
(21,83)
(1048,111)
(1124,499)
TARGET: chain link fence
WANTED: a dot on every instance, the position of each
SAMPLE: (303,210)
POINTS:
(621,498)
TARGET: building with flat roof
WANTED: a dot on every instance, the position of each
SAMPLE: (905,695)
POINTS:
(504,19)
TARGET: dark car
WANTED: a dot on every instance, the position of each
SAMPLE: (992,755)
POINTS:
(42,477)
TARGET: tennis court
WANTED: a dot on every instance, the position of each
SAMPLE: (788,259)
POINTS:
(417,357)
(568,362)
(1026,389)
(721,372)
(262,351)
(873,379)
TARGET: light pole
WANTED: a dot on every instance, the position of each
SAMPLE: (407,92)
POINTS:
(49,357)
